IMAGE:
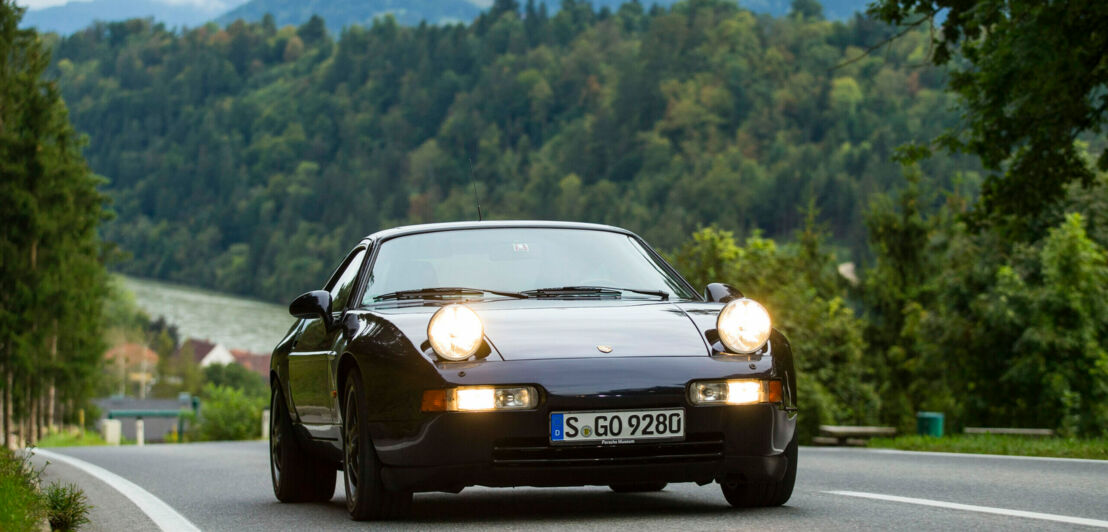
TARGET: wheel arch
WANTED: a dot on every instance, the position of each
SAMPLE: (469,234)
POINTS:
(347,364)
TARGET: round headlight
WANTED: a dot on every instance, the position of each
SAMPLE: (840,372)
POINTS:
(455,332)
(743,326)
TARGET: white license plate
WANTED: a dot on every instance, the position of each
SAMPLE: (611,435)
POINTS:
(617,426)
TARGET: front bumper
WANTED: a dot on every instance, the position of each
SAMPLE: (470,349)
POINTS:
(451,450)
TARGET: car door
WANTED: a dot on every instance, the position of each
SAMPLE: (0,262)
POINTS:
(311,382)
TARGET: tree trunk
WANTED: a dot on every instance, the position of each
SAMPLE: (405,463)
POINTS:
(25,420)
(51,392)
(8,409)
(43,413)
(3,412)
(32,419)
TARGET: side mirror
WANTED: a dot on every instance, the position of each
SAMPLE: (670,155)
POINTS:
(314,304)
(721,293)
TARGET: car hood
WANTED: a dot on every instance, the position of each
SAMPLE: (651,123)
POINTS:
(547,329)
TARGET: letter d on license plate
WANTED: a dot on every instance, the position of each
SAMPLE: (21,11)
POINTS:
(617,426)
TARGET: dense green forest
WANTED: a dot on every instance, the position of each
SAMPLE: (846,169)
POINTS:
(248,159)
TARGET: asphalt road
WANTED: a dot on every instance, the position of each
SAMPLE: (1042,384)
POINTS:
(225,486)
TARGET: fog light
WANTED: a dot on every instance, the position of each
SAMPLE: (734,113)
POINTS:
(743,392)
(473,399)
(734,392)
(480,399)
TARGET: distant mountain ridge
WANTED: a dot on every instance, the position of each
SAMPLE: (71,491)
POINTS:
(341,13)
(77,15)
(74,16)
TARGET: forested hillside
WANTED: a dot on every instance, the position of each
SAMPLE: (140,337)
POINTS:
(248,159)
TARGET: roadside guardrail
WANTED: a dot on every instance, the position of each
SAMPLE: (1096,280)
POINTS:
(1011,431)
(850,435)
(140,434)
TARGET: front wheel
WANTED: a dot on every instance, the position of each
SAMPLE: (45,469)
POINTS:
(366,496)
(761,494)
(296,476)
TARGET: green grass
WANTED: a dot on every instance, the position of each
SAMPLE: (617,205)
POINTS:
(68,506)
(71,439)
(21,505)
(1000,444)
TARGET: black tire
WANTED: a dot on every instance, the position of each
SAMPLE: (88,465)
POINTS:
(762,494)
(296,476)
(366,496)
(638,487)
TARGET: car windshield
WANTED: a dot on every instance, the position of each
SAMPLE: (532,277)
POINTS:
(520,260)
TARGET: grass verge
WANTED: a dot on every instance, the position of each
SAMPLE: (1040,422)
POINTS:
(22,507)
(1096,448)
(66,506)
(71,439)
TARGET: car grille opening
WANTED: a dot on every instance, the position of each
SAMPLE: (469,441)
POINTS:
(539,452)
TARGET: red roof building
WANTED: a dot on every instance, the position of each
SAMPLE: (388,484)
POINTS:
(256,362)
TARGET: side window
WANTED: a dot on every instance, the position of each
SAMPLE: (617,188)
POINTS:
(344,284)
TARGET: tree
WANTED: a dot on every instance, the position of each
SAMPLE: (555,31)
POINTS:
(797,283)
(237,377)
(313,31)
(806,9)
(53,280)
(1032,78)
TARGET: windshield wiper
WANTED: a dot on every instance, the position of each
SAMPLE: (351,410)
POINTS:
(591,290)
(439,292)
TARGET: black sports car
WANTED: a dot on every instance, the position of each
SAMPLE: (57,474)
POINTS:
(526,354)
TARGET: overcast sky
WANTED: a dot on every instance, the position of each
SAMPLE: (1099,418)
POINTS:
(207,5)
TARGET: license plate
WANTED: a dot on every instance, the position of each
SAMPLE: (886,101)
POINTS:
(617,426)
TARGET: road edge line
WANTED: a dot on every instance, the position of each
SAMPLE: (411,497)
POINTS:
(957,455)
(974,508)
(156,509)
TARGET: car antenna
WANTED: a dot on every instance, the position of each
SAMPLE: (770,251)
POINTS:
(476,197)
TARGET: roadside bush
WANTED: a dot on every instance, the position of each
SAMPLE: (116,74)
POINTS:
(67,506)
(798,284)
(21,505)
(235,376)
(991,331)
(228,414)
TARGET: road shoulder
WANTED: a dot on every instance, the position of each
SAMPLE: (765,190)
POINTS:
(111,511)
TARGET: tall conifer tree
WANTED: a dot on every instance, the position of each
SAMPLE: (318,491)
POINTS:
(52,277)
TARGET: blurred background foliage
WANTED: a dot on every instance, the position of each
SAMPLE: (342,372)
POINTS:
(249,158)
(228,413)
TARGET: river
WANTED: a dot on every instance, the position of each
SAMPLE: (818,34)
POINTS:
(236,322)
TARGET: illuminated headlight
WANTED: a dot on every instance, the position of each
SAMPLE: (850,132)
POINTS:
(455,332)
(480,399)
(734,392)
(743,326)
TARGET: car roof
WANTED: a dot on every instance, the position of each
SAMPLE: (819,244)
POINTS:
(492,224)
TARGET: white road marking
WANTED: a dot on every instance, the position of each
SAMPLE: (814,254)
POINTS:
(161,513)
(956,455)
(980,509)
